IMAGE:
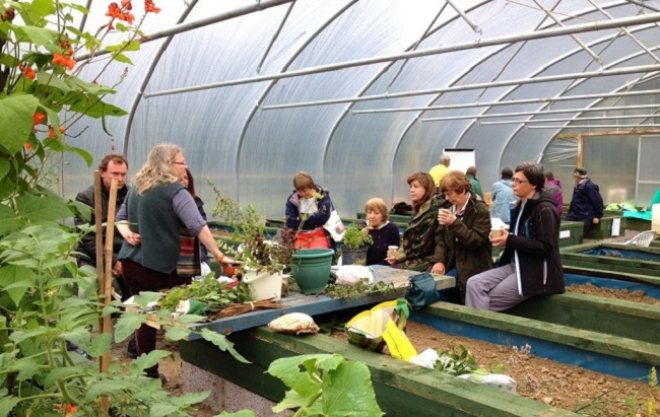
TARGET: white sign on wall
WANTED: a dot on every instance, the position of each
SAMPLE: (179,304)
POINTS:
(461,159)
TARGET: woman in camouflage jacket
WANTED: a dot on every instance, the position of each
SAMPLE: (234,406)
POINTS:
(423,232)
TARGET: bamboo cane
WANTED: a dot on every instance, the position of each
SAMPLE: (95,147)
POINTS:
(106,289)
(98,222)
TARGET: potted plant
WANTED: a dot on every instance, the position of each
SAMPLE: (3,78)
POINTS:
(355,245)
(263,261)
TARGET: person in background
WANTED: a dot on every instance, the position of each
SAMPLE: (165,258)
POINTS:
(471,174)
(418,251)
(157,207)
(553,187)
(307,210)
(383,232)
(189,182)
(464,249)
(503,197)
(530,263)
(112,166)
(440,170)
(586,203)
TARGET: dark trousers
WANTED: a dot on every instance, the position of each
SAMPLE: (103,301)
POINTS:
(140,278)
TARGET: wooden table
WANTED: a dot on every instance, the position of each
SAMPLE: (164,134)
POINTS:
(319,304)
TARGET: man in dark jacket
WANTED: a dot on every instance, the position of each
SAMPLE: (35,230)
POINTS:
(113,166)
(530,262)
(586,203)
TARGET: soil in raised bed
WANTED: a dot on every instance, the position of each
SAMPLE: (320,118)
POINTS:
(571,388)
(564,386)
(620,294)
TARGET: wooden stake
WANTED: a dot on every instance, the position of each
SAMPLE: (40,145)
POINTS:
(580,153)
(106,288)
(98,222)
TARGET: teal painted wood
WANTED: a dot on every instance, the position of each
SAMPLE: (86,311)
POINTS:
(650,280)
(574,256)
(602,230)
(402,389)
(614,355)
(627,319)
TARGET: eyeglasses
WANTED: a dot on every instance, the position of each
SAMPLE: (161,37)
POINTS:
(517,181)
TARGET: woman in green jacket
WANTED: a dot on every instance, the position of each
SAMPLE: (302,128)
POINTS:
(418,251)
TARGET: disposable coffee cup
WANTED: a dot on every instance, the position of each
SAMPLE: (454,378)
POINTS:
(496,232)
(440,211)
(392,250)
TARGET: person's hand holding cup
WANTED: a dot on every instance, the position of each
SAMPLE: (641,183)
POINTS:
(445,216)
(392,251)
(498,237)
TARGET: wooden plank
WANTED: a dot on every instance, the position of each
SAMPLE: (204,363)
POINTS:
(578,268)
(604,353)
(599,314)
(402,389)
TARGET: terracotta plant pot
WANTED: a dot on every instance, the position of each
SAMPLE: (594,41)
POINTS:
(233,269)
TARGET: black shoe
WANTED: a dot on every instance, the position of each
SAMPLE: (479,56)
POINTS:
(152,372)
(131,350)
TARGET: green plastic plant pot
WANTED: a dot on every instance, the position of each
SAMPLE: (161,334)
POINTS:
(311,269)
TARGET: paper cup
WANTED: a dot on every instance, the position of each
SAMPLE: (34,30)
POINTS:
(440,211)
(392,250)
(496,232)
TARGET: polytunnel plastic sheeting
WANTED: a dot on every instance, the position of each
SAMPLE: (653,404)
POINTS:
(252,154)
(91,135)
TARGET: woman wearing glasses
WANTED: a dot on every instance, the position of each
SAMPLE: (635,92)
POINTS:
(530,262)
(156,209)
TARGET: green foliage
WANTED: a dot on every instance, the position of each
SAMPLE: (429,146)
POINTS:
(359,289)
(325,385)
(255,252)
(40,314)
(356,237)
(212,294)
(457,362)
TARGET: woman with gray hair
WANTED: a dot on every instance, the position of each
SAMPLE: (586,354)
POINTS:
(530,262)
(157,208)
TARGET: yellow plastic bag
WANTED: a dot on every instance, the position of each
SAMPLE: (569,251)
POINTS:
(367,328)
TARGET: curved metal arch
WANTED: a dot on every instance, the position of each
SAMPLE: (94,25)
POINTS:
(149,73)
(272,83)
(457,79)
(544,67)
(375,78)
(574,85)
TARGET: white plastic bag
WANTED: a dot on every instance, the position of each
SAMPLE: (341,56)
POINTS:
(350,274)
(426,359)
(501,381)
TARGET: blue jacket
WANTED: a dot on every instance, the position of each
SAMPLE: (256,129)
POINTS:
(313,221)
(586,202)
(503,200)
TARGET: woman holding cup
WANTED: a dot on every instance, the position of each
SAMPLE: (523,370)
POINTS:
(465,249)
(423,232)
(530,262)
(384,233)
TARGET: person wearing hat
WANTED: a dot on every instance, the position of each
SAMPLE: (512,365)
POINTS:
(587,203)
